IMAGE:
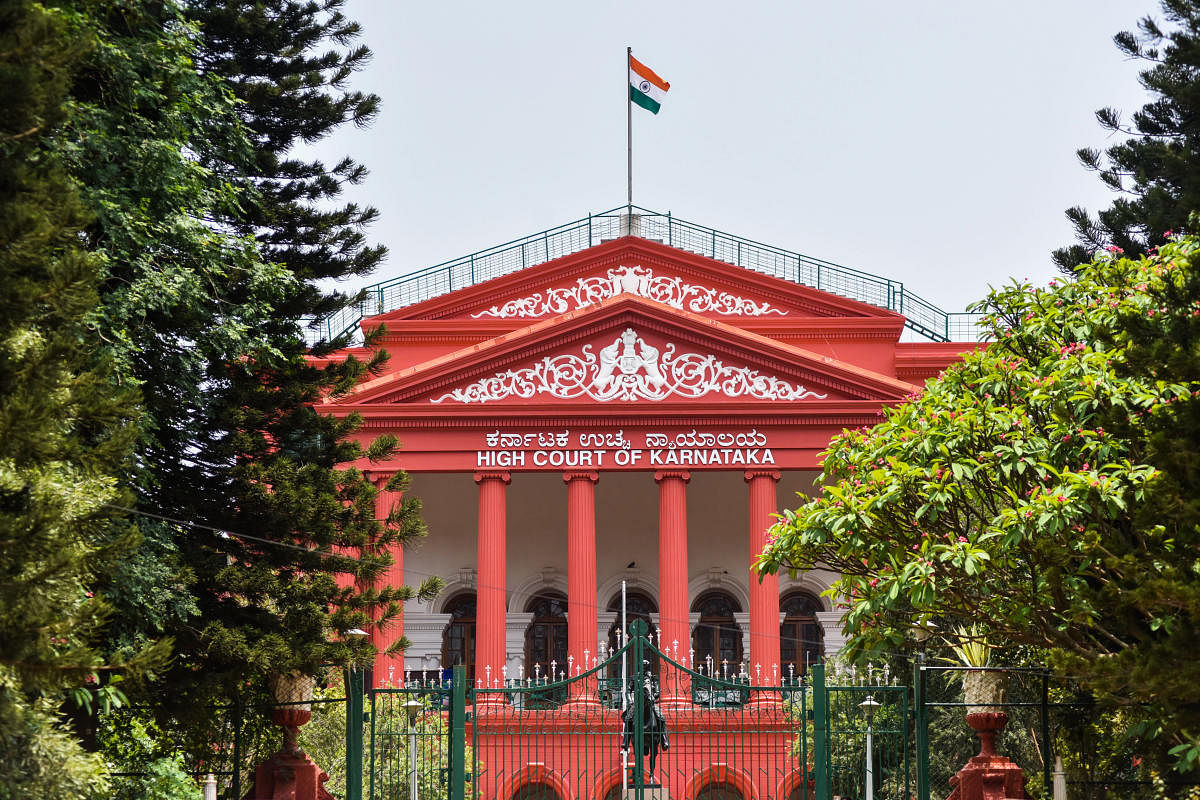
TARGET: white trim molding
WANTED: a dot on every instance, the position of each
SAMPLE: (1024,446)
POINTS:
(629,369)
(636,280)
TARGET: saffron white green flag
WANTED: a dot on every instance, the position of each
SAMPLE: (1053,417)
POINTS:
(645,87)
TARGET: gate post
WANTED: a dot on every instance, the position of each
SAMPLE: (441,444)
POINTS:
(639,728)
(458,733)
(820,733)
(354,733)
(921,723)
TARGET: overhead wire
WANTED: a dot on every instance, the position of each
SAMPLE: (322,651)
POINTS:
(537,595)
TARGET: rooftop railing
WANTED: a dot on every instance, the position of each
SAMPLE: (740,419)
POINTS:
(921,316)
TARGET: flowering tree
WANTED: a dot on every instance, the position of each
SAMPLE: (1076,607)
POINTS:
(1046,486)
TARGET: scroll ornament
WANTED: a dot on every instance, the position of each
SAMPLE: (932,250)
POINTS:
(629,369)
(641,281)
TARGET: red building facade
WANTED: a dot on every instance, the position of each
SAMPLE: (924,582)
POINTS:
(634,413)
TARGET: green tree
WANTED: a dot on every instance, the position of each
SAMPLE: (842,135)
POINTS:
(238,487)
(1156,165)
(1042,487)
(288,63)
(65,435)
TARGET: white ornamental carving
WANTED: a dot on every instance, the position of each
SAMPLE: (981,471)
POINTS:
(629,369)
(635,280)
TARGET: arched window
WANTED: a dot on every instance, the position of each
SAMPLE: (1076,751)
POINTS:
(800,634)
(536,791)
(637,606)
(458,640)
(719,791)
(717,639)
(546,636)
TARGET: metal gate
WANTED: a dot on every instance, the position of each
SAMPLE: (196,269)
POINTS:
(864,735)
(643,723)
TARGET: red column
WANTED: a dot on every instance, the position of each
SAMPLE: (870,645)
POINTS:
(673,578)
(490,594)
(388,669)
(581,572)
(764,593)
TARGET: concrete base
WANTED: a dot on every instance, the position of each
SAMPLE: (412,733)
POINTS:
(289,776)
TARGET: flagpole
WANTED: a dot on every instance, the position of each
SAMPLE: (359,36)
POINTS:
(629,135)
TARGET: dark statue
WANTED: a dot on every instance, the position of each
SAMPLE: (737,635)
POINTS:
(654,724)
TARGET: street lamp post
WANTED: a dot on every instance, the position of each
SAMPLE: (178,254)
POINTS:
(868,706)
(412,707)
(922,631)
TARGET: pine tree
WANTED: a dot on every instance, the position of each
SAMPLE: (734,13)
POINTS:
(66,436)
(287,62)
(1156,167)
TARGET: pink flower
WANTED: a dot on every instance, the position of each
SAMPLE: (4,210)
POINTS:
(962,539)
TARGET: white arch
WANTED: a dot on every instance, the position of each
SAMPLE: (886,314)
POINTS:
(635,580)
(465,580)
(724,580)
(814,582)
(547,578)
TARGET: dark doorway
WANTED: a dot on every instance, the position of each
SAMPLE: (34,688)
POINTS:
(800,635)
(458,640)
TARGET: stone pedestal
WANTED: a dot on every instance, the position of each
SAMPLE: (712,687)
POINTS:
(289,776)
(988,775)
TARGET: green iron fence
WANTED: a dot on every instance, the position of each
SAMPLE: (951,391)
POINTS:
(921,316)
(1047,720)
(597,734)
(581,737)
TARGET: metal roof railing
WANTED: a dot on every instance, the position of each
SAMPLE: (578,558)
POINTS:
(920,315)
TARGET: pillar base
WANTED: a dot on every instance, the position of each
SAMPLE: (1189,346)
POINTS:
(767,700)
(988,776)
(290,776)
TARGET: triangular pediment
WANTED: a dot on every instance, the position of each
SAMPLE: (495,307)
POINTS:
(628,350)
(642,268)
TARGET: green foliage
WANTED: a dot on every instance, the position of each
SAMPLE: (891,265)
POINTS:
(288,63)
(134,744)
(40,756)
(1044,487)
(159,250)
(66,434)
(1156,164)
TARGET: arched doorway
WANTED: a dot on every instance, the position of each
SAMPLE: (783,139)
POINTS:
(800,634)
(458,640)
(546,636)
(719,791)
(536,791)
(638,605)
(717,639)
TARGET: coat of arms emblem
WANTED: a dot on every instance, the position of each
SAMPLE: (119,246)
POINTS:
(630,355)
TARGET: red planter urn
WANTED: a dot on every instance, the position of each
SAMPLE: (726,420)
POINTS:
(290,774)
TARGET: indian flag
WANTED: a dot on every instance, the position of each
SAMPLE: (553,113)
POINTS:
(645,88)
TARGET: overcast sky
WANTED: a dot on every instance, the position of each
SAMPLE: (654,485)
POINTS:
(929,142)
